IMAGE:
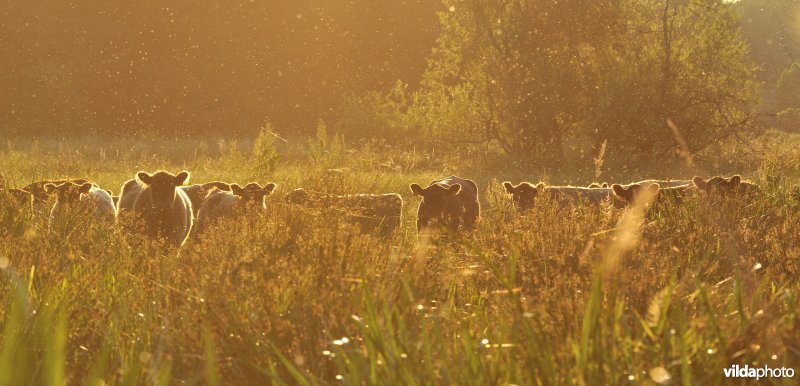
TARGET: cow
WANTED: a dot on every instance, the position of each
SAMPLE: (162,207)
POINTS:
(371,211)
(198,192)
(228,203)
(635,192)
(86,196)
(722,186)
(666,183)
(39,193)
(675,194)
(157,203)
(451,202)
(525,194)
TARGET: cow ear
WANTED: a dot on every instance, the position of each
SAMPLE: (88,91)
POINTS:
(618,190)
(653,188)
(237,190)
(735,181)
(270,187)
(454,189)
(85,188)
(700,183)
(417,190)
(50,188)
(509,187)
(144,177)
(182,178)
(605,185)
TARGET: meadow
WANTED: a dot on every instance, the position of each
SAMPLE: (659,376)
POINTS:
(584,295)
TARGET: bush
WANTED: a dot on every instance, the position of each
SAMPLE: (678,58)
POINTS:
(376,115)
(265,154)
(326,151)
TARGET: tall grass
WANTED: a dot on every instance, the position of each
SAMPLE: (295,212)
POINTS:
(303,297)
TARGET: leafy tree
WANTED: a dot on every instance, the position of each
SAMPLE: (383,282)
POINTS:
(534,76)
(682,61)
(515,73)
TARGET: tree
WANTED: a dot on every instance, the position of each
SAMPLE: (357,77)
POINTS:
(534,75)
(515,73)
(683,61)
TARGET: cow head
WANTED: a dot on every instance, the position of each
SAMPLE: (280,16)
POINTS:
(636,192)
(724,186)
(439,206)
(162,186)
(438,192)
(68,192)
(253,194)
(524,195)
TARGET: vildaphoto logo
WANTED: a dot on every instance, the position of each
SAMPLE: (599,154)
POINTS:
(746,371)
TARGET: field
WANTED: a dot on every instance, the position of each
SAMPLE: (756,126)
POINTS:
(584,295)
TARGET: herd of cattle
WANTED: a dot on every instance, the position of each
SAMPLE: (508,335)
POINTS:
(165,205)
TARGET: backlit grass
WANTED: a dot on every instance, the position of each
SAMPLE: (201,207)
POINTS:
(300,296)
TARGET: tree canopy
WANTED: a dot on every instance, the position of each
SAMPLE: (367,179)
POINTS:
(536,77)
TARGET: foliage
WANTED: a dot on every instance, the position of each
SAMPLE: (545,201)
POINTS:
(326,151)
(265,153)
(680,61)
(378,116)
(510,73)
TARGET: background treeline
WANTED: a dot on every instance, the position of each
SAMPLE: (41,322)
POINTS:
(552,83)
